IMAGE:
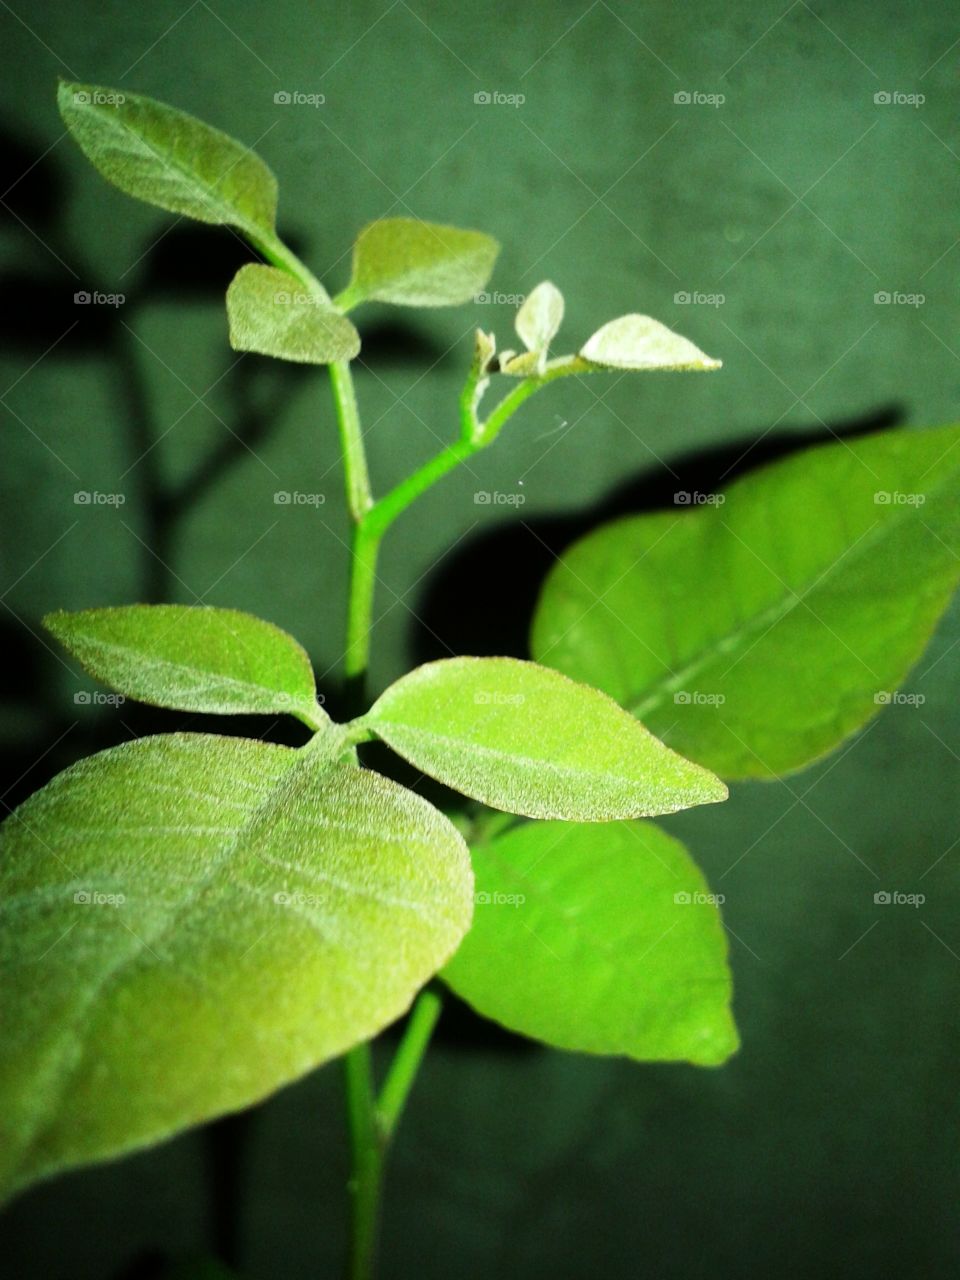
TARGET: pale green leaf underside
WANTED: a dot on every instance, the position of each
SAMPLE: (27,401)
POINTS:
(192,658)
(419,264)
(540,317)
(276,910)
(579,940)
(168,158)
(522,738)
(526,364)
(642,343)
(271,313)
(799,602)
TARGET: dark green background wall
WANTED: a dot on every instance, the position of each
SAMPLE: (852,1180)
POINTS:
(829,1145)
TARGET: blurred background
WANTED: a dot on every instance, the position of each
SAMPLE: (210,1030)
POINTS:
(760,177)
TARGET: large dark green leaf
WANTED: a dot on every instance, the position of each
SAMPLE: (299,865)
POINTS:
(599,938)
(755,633)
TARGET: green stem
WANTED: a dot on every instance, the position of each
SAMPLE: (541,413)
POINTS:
(357,478)
(383,512)
(367,1149)
(341,379)
(363,582)
(407,1059)
(372,1120)
(474,436)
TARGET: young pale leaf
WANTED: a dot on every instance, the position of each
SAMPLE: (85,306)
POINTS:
(639,342)
(602,939)
(269,312)
(528,364)
(526,739)
(189,922)
(418,264)
(757,630)
(540,317)
(193,658)
(485,349)
(167,158)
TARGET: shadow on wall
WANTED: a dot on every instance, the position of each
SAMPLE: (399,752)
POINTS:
(514,557)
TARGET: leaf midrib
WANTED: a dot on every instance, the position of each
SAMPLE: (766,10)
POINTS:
(653,696)
(151,662)
(211,194)
(66,1074)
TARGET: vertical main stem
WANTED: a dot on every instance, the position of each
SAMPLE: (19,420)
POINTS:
(371,1120)
(359,499)
(363,581)
(367,1149)
(367,1140)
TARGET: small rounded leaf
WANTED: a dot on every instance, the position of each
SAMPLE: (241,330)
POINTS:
(271,313)
(639,342)
(528,364)
(485,349)
(418,264)
(540,317)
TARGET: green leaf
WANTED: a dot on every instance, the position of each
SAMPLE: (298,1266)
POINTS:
(418,264)
(523,738)
(271,313)
(528,364)
(189,922)
(757,630)
(603,939)
(167,158)
(639,342)
(192,658)
(540,317)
